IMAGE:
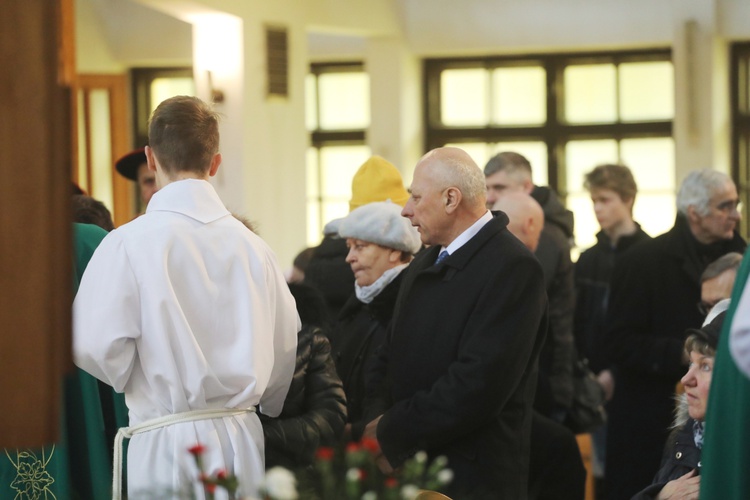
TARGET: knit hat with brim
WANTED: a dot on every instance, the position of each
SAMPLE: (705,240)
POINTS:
(377,180)
(381,223)
(709,333)
(128,164)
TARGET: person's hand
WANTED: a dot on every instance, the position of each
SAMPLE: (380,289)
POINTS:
(384,465)
(371,430)
(685,487)
(607,381)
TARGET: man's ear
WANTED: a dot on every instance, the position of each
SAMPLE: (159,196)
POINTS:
(452,199)
(150,159)
(215,162)
(528,186)
(692,215)
(528,225)
(394,256)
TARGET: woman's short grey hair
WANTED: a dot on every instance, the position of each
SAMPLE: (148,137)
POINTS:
(697,188)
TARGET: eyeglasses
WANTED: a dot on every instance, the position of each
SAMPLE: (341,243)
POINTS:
(729,206)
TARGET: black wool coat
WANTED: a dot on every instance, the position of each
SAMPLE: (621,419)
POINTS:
(654,296)
(359,331)
(457,373)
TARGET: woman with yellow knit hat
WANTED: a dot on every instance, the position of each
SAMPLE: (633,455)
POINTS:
(376,180)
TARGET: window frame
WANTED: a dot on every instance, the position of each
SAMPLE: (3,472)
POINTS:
(739,97)
(555,132)
(141,79)
(321,138)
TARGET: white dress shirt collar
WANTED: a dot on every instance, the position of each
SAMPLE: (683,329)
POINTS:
(468,234)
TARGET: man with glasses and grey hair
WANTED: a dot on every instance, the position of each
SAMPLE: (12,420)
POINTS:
(655,288)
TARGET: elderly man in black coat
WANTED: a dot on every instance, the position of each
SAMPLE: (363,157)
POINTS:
(457,374)
(654,297)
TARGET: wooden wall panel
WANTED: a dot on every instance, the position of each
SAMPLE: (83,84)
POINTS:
(35,241)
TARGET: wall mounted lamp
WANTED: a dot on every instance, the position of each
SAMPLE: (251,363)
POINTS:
(217,95)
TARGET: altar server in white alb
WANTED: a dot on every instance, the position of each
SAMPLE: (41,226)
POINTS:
(187,312)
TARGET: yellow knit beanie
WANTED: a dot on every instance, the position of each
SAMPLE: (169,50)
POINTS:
(377,180)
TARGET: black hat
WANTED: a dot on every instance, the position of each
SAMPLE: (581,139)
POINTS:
(709,333)
(128,164)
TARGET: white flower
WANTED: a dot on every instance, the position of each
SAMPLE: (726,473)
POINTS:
(280,484)
(445,476)
(353,475)
(440,461)
(409,491)
(420,457)
(370,495)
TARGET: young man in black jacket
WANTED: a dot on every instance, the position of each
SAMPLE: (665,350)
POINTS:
(613,190)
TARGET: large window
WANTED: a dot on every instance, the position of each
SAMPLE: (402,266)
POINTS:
(740,97)
(151,86)
(566,113)
(337,114)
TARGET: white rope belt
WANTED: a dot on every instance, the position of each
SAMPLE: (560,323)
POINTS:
(157,423)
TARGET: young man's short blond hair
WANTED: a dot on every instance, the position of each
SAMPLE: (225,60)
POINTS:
(184,135)
(617,178)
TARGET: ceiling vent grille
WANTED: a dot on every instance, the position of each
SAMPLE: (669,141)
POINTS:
(277,57)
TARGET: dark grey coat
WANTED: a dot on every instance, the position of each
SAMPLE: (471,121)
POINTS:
(681,455)
(555,385)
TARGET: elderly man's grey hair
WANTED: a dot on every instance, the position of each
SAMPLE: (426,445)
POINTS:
(463,173)
(729,261)
(697,188)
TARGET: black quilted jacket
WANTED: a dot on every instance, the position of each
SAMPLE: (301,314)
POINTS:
(314,411)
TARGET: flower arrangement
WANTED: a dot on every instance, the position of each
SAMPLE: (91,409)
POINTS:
(350,472)
(220,479)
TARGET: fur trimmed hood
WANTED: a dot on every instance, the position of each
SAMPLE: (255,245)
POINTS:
(681,415)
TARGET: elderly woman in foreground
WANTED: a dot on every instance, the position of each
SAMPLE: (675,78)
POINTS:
(679,475)
(381,245)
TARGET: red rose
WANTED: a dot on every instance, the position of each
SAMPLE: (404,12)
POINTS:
(370,445)
(390,482)
(352,447)
(197,449)
(324,453)
(210,487)
(221,475)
